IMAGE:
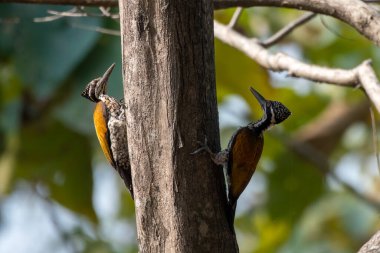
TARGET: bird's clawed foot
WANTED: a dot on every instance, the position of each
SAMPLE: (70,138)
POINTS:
(218,158)
(204,147)
(123,103)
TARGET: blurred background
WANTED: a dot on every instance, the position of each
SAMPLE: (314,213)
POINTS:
(317,186)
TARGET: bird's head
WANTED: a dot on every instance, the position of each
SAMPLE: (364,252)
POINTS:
(274,111)
(98,86)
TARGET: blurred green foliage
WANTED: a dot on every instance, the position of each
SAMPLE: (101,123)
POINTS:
(47,138)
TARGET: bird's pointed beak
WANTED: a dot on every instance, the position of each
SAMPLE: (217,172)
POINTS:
(261,99)
(97,86)
(104,79)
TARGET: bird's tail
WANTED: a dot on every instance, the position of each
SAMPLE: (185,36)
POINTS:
(231,218)
(125,174)
(231,214)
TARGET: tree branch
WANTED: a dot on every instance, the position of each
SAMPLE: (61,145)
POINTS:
(370,83)
(356,13)
(362,74)
(235,17)
(287,29)
(374,138)
(372,246)
(97,3)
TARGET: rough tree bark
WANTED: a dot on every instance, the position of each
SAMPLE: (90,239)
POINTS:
(372,246)
(169,89)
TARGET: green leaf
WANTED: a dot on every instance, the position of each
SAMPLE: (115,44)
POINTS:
(60,159)
(235,72)
(292,184)
(45,53)
(106,52)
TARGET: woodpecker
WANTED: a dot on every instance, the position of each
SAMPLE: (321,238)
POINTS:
(244,149)
(110,126)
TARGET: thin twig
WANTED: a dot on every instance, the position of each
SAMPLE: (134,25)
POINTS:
(218,4)
(46,19)
(374,137)
(58,15)
(106,3)
(97,29)
(76,12)
(106,13)
(356,13)
(105,10)
(287,29)
(235,17)
(368,79)
(297,4)
(280,62)
(362,74)
(55,16)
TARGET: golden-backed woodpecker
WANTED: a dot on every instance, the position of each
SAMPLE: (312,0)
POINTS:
(110,126)
(245,148)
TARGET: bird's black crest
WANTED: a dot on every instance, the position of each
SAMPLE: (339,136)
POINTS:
(90,91)
(98,86)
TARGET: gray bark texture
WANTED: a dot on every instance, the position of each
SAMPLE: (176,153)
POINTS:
(373,245)
(169,89)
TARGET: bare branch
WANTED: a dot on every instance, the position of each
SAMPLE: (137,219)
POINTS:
(374,138)
(372,246)
(71,13)
(281,62)
(356,13)
(97,29)
(56,15)
(105,3)
(287,29)
(106,13)
(218,4)
(76,12)
(370,83)
(235,17)
(47,19)
(362,74)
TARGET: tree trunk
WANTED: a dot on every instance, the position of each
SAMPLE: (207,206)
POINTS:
(169,89)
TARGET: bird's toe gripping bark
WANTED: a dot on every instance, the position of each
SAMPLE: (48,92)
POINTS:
(217,158)
(204,147)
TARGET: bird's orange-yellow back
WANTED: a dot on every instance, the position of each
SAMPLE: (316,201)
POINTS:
(100,122)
